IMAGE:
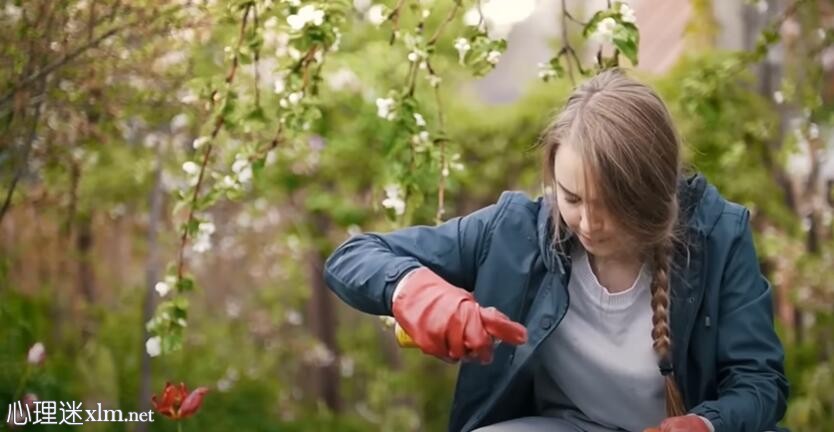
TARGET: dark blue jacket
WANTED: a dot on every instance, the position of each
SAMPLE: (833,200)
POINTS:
(728,360)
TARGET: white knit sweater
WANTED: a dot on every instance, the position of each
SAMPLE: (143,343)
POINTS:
(598,369)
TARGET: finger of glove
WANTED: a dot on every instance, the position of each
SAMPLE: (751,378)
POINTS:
(501,327)
(455,328)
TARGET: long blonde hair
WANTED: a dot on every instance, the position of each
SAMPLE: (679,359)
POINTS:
(629,145)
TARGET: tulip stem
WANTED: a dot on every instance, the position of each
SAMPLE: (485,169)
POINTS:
(23,378)
(179,426)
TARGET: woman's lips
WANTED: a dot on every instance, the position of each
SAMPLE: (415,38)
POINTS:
(590,240)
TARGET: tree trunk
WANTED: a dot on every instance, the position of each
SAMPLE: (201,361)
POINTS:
(323,322)
(152,275)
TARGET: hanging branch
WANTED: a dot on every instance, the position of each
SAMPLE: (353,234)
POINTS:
(445,22)
(566,47)
(394,17)
(444,163)
(257,56)
(218,125)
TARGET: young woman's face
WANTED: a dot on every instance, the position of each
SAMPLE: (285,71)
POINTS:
(582,210)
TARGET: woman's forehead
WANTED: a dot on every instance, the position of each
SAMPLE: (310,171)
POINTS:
(570,171)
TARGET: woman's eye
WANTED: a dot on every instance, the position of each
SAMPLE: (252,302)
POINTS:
(572,200)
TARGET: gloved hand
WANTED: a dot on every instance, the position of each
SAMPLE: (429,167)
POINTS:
(446,322)
(687,423)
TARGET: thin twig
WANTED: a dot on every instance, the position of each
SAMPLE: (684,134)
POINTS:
(77,52)
(445,22)
(444,169)
(481,19)
(566,43)
(257,58)
(569,16)
(394,17)
(24,162)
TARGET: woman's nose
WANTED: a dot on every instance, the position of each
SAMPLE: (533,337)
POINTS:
(590,222)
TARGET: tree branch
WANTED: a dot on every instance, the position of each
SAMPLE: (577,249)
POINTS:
(72,55)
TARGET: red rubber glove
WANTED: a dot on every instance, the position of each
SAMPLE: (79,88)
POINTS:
(687,423)
(446,322)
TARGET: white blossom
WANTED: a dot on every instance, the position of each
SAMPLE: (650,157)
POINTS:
(243,169)
(153,346)
(434,80)
(179,122)
(472,17)
(393,199)
(229,182)
(295,97)
(384,108)
(295,22)
(311,14)
(279,85)
(813,131)
(239,164)
(376,14)
(202,241)
(604,31)
(455,162)
(778,97)
(199,142)
(627,14)
(546,72)
(190,168)
(354,230)
(245,176)
(361,5)
(162,288)
(338,40)
(271,23)
(462,45)
(418,118)
(493,57)
(306,15)
(413,56)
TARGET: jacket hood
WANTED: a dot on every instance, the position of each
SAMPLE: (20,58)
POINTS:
(700,205)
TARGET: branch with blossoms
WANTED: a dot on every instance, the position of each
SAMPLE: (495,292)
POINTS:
(614,27)
(314,31)
(416,146)
(313,34)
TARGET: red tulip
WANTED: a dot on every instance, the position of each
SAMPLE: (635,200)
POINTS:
(176,403)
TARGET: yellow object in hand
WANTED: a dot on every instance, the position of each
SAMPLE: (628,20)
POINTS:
(403,339)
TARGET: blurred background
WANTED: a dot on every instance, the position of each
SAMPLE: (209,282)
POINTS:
(103,104)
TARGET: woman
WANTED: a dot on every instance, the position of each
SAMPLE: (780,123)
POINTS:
(628,297)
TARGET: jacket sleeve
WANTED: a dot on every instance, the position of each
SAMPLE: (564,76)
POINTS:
(364,270)
(752,388)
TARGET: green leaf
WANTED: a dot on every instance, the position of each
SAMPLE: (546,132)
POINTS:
(256,114)
(592,23)
(185,284)
(626,39)
(191,227)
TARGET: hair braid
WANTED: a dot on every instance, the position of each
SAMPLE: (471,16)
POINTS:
(661,333)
